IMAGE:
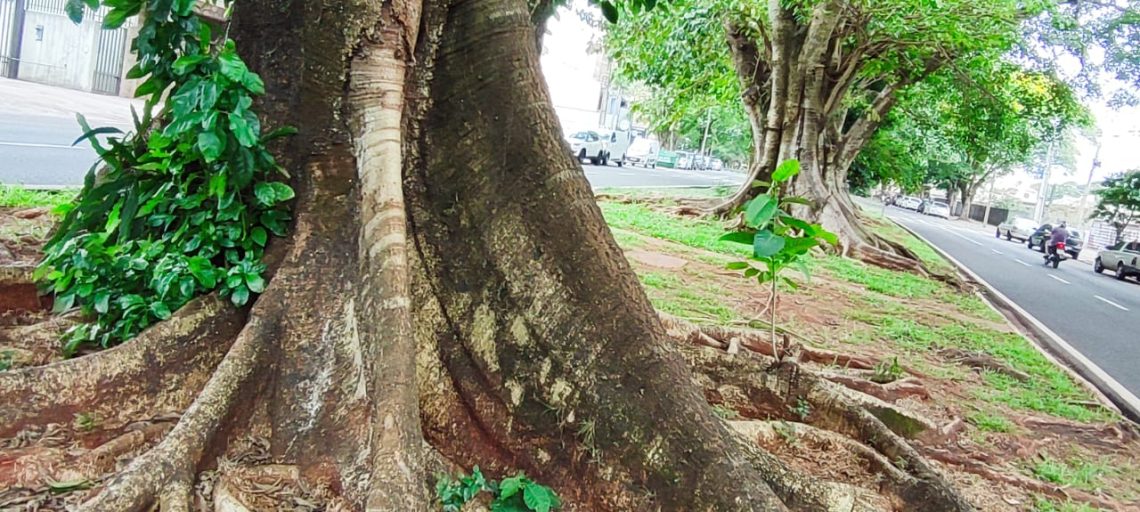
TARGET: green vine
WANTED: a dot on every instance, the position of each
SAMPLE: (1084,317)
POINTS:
(185,203)
(513,494)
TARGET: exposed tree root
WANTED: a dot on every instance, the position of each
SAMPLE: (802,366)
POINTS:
(983,361)
(160,370)
(891,392)
(983,470)
(779,389)
(170,467)
(1113,436)
(716,337)
(769,432)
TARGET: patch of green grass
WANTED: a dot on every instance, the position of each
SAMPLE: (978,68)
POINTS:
(14,196)
(628,239)
(988,422)
(659,280)
(1078,473)
(694,232)
(887,282)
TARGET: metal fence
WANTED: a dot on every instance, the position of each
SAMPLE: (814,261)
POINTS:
(110,49)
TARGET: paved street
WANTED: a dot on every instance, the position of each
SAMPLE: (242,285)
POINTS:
(612,176)
(37,127)
(1096,314)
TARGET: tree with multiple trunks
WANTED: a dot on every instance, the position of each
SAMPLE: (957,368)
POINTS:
(446,293)
(1118,201)
(818,78)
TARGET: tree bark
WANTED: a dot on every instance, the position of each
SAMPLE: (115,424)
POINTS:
(449,278)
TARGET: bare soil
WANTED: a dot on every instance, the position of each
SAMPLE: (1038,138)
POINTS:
(22,235)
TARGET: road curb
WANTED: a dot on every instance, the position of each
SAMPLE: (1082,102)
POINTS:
(1049,342)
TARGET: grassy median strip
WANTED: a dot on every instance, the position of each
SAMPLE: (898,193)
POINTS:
(884,304)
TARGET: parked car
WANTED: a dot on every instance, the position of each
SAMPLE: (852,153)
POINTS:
(1041,236)
(938,209)
(716,164)
(1017,228)
(587,144)
(908,202)
(643,152)
(1123,259)
(684,160)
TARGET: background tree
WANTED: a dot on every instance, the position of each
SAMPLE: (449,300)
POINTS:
(818,78)
(1118,201)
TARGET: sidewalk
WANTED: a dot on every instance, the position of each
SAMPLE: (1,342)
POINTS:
(20,98)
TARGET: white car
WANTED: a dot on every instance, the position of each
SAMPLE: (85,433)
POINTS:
(909,203)
(587,144)
(643,152)
(1018,228)
(617,143)
(938,210)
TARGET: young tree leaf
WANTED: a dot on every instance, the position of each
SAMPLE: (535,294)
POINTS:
(759,211)
(739,237)
(767,244)
(74,9)
(785,171)
(511,485)
(737,265)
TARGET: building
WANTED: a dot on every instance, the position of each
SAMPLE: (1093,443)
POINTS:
(39,43)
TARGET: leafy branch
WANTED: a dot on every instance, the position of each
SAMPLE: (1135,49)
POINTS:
(183,205)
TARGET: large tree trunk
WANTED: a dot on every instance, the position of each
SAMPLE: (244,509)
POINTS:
(795,83)
(449,278)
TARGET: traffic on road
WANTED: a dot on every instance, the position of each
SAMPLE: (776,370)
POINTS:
(1083,303)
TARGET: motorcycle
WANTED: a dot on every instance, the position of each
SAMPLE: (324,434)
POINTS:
(1055,254)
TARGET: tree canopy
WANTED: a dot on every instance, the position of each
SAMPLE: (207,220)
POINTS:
(1119,201)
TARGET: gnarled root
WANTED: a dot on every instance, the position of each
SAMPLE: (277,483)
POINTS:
(890,392)
(776,389)
(985,471)
(160,370)
(168,470)
(983,361)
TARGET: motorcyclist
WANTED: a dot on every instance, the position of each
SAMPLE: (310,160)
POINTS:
(1059,235)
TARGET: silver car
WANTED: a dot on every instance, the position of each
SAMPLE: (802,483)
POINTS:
(1017,228)
(1123,259)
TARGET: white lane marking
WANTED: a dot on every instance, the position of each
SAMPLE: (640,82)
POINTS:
(1110,303)
(1022,262)
(39,145)
(959,235)
(1059,279)
(997,251)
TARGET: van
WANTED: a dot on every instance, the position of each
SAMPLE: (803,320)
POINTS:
(617,143)
(643,152)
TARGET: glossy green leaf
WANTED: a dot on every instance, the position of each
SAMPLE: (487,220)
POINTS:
(785,171)
(767,244)
(739,237)
(759,211)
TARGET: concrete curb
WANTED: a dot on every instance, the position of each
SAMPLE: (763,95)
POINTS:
(1051,344)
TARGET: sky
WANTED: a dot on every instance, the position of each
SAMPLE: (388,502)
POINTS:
(571,77)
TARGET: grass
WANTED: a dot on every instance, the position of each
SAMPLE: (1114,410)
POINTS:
(990,422)
(13,196)
(1044,505)
(1049,389)
(1078,473)
(699,233)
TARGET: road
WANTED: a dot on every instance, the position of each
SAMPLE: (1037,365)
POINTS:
(612,176)
(1096,314)
(37,151)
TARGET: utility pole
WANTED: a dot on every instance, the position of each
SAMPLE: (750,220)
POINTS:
(1039,210)
(989,201)
(1088,184)
(705,137)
